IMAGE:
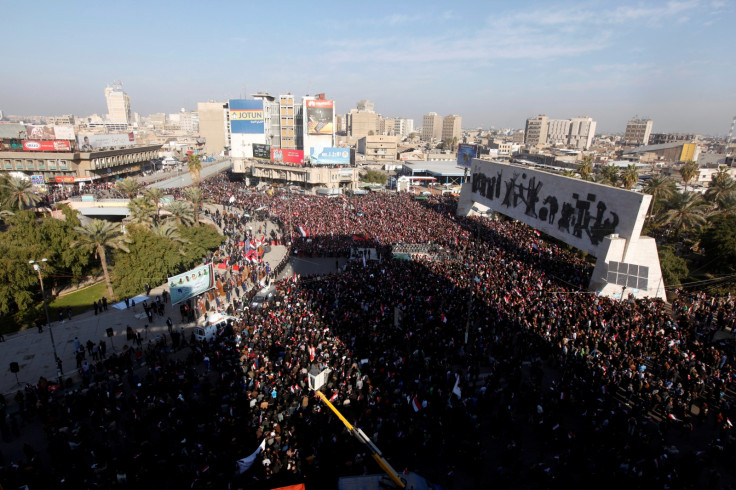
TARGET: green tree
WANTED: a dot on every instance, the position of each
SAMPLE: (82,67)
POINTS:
(630,176)
(721,186)
(569,173)
(674,267)
(685,212)
(154,194)
(19,193)
(97,237)
(128,187)
(182,212)
(609,175)
(719,242)
(194,195)
(689,171)
(454,143)
(374,176)
(660,188)
(585,169)
(195,168)
(169,231)
(142,211)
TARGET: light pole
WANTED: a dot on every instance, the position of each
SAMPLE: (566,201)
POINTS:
(37,268)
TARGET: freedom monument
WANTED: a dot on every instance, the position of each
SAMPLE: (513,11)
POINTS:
(601,220)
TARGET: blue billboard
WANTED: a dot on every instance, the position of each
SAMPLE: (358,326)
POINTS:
(466,153)
(246,116)
(328,156)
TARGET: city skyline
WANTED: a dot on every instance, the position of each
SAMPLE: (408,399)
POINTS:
(493,64)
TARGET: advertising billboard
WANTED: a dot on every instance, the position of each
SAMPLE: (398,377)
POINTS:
(64,133)
(466,153)
(49,132)
(320,114)
(279,155)
(326,156)
(46,145)
(261,151)
(37,180)
(191,283)
(246,116)
(90,142)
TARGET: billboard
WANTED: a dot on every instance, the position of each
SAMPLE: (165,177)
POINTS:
(320,114)
(90,142)
(37,180)
(279,155)
(49,132)
(466,153)
(261,151)
(325,156)
(246,116)
(46,145)
(191,283)
(578,212)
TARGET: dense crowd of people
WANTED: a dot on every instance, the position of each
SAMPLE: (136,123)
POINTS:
(491,366)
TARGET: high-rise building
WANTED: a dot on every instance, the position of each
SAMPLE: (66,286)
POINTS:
(403,127)
(535,132)
(558,131)
(582,131)
(213,126)
(365,106)
(360,123)
(431,127)
(387,126)
(287,114)
(638,131)
(452,128)
(118,104)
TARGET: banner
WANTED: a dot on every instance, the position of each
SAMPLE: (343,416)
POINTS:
(53,145)
(91,141)
(261,151)
(326,156)
(246,116)
(320,114)
(280,155)
(40,132)
(466,153)
(37,180)
(191,283)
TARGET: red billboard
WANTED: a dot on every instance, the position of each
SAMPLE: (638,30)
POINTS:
(46,145)
(279,155)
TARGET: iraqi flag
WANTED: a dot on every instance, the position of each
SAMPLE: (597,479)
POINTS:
(537,233)
(245,463)
(333,397)
(303,232)
(312,352)
(415,404)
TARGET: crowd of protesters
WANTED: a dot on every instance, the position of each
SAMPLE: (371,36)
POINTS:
(494,363)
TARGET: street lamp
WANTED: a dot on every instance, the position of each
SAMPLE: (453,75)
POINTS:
(37,268)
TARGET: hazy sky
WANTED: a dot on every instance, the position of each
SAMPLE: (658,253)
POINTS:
(494,63)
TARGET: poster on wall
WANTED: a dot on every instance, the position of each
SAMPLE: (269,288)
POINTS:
(280,155)
(261,151)
(90,142)
(52,145)
(246,116)
(326,156)
(320,114)
(465,154)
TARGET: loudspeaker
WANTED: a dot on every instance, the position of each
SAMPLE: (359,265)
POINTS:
(14,367)
(110,332)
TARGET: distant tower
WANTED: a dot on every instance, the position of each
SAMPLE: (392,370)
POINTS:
(118,104)
(730,133)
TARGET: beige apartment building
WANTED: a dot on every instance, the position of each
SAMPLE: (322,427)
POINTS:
(431,127)
(535,132)
(638,131)
(213,126)
(361,123)
(118,104)
(378,148)
(452,128)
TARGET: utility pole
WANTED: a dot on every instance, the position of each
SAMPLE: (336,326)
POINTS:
(37,268)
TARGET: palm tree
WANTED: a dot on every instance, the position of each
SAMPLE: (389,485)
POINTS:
(721,185)
(659,188)
(182,212)
(194,195)
(128,187)
(569,173)
(689,171)
(141,211)
(585,169)
(630,176)
(685,211)
(609,175)
(726,204)
(154,194)
(19,193)
(195,167)
(97,237)
(169,231)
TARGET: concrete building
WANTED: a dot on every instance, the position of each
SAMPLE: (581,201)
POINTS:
(378,148)
(664,153)
(518,137)
(638,131)
(387,125)
(663,138)
(536,131)
(213,124)
(118,104)
(365,106)
(318,127)
(558,131)
(361,123)
(65,120)
(189,121)
(582,131)
(403,127)
(287,128)
(431,127)
(452,128)
(340,126)
(309,178)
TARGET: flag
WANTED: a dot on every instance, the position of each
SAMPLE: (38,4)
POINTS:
(537,233)
(333,397)
(312,351)
(304,233)
(245,463)
(456,389)
(415,404)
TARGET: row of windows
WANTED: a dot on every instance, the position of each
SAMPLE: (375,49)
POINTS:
(35,164)
(112,161)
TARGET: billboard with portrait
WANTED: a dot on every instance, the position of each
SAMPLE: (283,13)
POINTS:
(465,154)
(90,142)
(191,283)
(246,116)
(261,151)
(46,145)
(326,156)
(280,155)
(320,116)
(40,132)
